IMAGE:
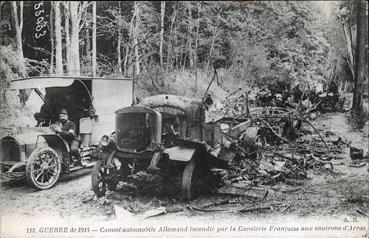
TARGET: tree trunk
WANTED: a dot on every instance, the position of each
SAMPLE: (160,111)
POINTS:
(51,70)
(170,41)
(135,39)
(58,39)
(213,38)
(189,40)
(18,22)
(74,39)
(361,55)
(211,49)
(126,59)
(67,38)
(181,58)
(350,53)
(119,40)
(162,13)
(197,34)
(88,48)
(94,64)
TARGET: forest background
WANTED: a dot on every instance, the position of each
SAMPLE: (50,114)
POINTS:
(170,47)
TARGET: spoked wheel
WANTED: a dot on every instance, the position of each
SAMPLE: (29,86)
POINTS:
(98,177)
(194,180)
(103,179)
(43,168)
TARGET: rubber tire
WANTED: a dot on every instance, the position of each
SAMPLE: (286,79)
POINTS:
(33,156)
(95,180)
(191,175)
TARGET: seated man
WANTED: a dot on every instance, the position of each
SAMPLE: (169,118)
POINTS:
(67,130)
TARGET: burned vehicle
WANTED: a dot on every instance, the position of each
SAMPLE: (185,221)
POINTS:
(165,135)
(38,153)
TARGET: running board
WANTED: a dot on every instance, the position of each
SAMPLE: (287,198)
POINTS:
(88,165)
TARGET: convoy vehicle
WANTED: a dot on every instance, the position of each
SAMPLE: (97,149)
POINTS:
(165,135)
(39,154)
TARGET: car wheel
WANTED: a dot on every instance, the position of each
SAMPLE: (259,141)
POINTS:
(194,180)
(98,179)
(43,168)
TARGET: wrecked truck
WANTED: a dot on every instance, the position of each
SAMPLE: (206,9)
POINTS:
(165,135)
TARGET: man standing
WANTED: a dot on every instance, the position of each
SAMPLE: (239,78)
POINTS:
(67,130)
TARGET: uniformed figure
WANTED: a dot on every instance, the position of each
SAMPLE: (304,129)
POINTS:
(67,130)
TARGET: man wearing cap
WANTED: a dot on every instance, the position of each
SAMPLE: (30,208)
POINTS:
(67,129)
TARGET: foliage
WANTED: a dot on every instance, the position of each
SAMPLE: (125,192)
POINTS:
(9,67)
(256,42)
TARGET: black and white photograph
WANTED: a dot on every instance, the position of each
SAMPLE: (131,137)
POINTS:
(184,119)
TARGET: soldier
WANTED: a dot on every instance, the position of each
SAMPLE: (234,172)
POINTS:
(67,130)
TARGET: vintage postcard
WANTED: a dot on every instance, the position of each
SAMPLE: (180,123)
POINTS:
(184,119)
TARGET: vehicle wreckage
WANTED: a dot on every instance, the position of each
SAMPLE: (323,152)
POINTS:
(168,135)
(163,134)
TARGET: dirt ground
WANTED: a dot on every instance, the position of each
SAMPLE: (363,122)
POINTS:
(337,194)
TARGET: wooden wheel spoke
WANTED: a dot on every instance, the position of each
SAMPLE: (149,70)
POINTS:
(37,170)
(38,176)
(46,176)
(53,173)
(42,178)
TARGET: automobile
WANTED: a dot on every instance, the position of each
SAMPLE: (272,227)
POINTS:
(37,153)
(164,135)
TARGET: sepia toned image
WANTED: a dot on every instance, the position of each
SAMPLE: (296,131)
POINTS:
(184,119)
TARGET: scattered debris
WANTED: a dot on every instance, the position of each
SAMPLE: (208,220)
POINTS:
(362,213)
(123,214)
(153,212)
(224,202)
(244,192)
(357,165)
(255,209)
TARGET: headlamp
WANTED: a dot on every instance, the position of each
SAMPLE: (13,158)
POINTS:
(104,140)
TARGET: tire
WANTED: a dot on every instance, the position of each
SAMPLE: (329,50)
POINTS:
(104,179)
(43,168)
(193,181)
(99,185)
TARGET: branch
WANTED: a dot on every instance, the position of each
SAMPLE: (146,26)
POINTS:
(81,9)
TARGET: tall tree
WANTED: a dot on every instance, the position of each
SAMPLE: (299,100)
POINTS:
(189,35)
(361,64)
(75,16)
(67,37)
(135,38)
(119,43)
(58,39)
(162,14)
(127,57)
(17,12)
(52,40)
(94,66)
(171,41)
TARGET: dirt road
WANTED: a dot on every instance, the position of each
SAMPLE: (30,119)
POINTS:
(341,193)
